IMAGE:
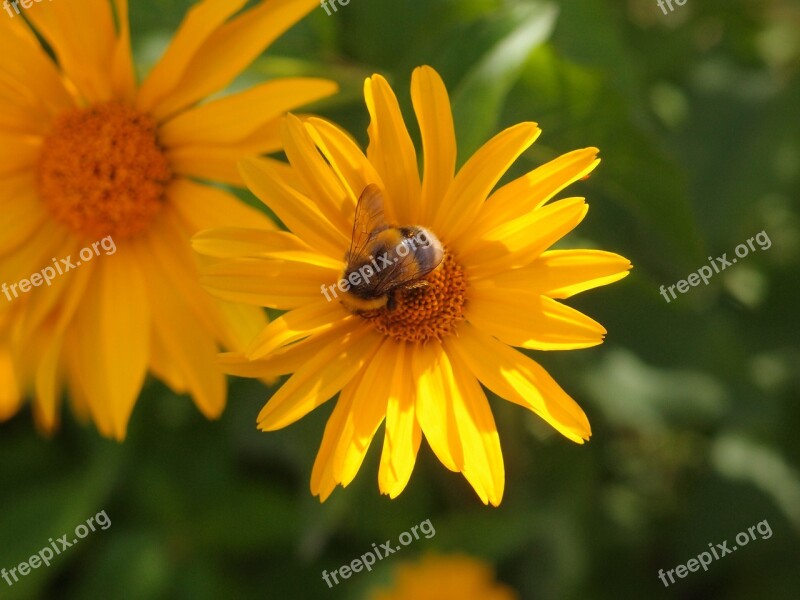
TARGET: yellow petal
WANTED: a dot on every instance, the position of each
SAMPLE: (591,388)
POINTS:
(318,179)
(323,480)
(371,394)
(483,459)
(296,325)
(18,152)
(564,273)
(23,213)
(345,157)
(280,284)
(54,305)
(10,397)
(209,163)
(392,151)
(319,379)
(35,254)
(434,376)
(432,107)
(231,119)
(123,78)
(403,434)
(168,248)
(519,242)
(230,49)
(294,209)
(289,358)
(201,21)
(180,334)
(48,385)
(515,377)
(113,322)
(477,178)
(528,320)
(201,207)
(534,189)
(241,242)
(31,83)
(83,37)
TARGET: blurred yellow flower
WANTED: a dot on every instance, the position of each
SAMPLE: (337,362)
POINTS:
(86,154)
(454,577)
(417,366)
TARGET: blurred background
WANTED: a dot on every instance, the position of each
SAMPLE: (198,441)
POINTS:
(694,404)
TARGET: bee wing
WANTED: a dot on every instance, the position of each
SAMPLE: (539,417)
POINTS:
(397,274)
(369,221)
(402,270)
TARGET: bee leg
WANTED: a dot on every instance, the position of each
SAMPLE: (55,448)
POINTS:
(417,285)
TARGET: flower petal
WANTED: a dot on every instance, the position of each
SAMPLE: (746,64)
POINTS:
(477,178)
(319,379)
(371,393)
(23,213)
(244,242)
(534,189)
(18,152)
(323,480)
(432,107)
(83,37)
(201,207)
(278,284)
(187,348)
(123,77)
(564,273)
(295,325)
(345,157)
(10,397)
(519,242)
(483,459)
(202,20)
(233,118)
(31,83)
(230,49)
(318,179)
(392,152)
(403,434)
(115,308)
(529,320)
(289,358)
(515,377)
(294,209)
(434,378)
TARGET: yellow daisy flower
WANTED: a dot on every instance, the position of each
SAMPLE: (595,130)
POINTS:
(89,156)
(418,365)
(453,577)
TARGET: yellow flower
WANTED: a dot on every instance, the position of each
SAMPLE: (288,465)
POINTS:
(419,366)
(453,577)
(87,155)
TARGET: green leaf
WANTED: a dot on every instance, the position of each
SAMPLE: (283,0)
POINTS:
(478,100)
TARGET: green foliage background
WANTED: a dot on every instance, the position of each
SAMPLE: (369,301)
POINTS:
(694,404)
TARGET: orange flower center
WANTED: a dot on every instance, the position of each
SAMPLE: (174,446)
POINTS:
(432,311)
(102,171)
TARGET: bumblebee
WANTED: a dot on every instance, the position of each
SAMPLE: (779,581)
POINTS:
(384,258)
